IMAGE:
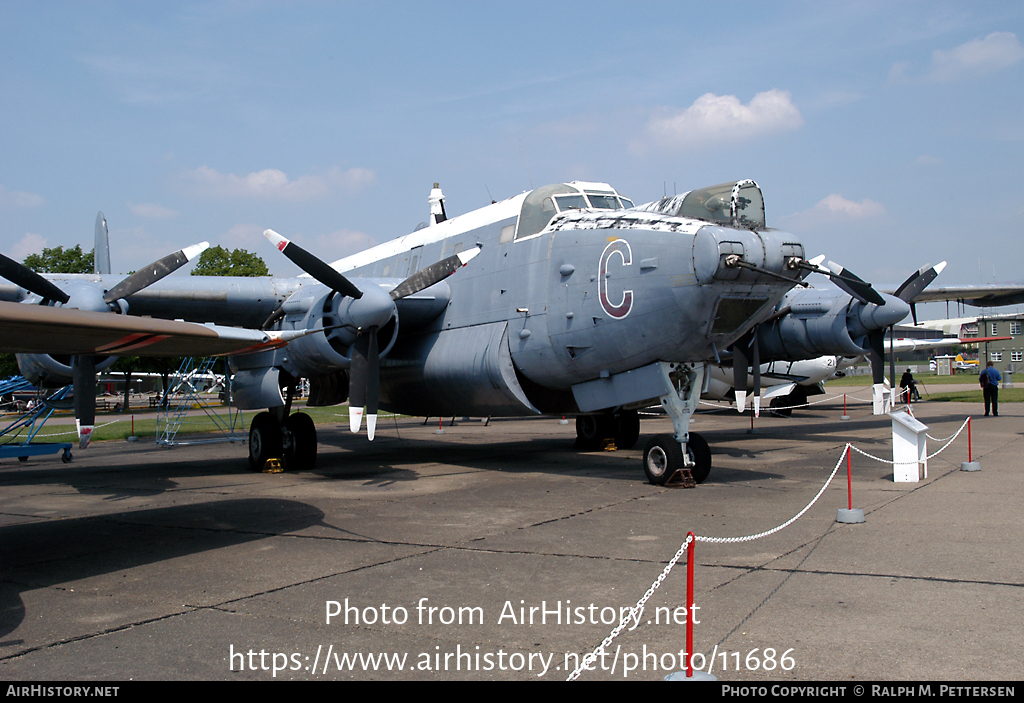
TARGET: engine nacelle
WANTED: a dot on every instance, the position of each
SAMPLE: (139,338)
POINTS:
(820,323)
(54,371)
(817,325)
(318,354)
(324,358)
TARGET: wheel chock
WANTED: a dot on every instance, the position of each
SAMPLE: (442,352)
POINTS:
(273,466)
(682,478)
(608,445)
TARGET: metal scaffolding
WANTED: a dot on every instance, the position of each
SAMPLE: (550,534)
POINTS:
(184,395)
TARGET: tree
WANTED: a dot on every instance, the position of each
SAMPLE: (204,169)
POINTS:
(218,261)
(61,260)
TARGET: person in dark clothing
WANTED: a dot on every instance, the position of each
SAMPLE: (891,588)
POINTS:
(989,380)
(909,386)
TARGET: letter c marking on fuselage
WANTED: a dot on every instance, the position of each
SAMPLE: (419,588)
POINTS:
(621,248)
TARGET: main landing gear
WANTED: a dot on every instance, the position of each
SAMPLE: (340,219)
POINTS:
(292,442)
(283,436)
(622,427)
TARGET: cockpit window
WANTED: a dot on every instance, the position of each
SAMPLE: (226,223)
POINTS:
(602,201)
(626,202)
(715,204)
(542,204)
(570,202)
(538,209)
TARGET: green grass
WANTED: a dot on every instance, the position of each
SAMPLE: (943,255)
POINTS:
(928,379)
(1006,395)
(118,426)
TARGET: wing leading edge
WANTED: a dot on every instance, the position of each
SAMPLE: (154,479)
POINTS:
(42,329)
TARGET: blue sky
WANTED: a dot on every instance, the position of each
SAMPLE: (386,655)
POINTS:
(887,135)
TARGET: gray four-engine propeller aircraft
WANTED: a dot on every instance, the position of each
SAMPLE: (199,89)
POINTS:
(566,300)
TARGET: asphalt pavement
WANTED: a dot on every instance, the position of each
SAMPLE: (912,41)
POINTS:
(500,552)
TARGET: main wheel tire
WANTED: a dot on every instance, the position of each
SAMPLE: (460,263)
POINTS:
(265,439)
(627,429)
(663,456)
(591,430)
(700,452)
(300,443)
(779,407)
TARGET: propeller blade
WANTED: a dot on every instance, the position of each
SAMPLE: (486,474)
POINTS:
(917,282)
(149,275)
(84,377)
(364,382)
(739,373)
(876,343)
(433,274)
(892,357)
(855,286)
(21,275)
(755,361)
(357,374)
(316,268)
(372,384)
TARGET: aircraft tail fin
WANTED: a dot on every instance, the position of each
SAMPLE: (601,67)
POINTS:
(101,250)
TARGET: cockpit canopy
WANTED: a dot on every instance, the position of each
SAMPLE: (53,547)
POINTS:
(737,204)
(542,204)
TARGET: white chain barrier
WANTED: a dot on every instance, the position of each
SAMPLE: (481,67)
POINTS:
(624,622)
(592,656)
(930,456)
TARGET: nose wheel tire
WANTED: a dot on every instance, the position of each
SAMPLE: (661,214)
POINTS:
(663,456)
(700,452)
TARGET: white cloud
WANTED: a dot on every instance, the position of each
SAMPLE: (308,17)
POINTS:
(18,198)
(838,205)
(714,119)
(997,51)
(152,211)
(274,184)
(832,210)
(31,243)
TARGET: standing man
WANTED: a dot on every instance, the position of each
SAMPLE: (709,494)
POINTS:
(989,380)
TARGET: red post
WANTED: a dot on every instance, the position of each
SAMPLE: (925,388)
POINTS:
(844,404)
(968,438)
(689,604)
(849,478)
(133,429)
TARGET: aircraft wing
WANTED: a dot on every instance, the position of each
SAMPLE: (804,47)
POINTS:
(992,295)
(52,330)
(907,345)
